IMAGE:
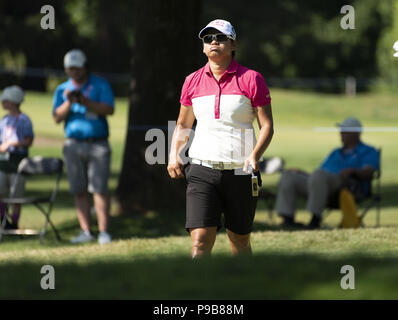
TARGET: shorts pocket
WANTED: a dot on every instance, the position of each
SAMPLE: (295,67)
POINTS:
(186,170)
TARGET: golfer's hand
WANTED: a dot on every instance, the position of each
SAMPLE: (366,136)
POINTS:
(252,161)
(175,170)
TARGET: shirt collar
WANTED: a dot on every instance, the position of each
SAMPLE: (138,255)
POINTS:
(75,86)
(354,150)
(232,68)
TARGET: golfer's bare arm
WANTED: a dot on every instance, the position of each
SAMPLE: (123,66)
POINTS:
(180,138)
(266,125)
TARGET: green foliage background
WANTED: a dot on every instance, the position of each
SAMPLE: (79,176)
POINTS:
(284,39)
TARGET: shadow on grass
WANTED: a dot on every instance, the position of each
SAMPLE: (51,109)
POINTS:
(263,276)
(150,225)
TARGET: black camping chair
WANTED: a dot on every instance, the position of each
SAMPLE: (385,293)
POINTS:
(364,201)
(270,166)
(32,167)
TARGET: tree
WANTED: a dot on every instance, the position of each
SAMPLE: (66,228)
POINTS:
(166,49)
(387,64)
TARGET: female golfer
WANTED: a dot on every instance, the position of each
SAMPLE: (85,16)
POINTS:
(225,98)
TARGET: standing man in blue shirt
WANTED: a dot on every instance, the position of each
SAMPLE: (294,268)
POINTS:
(354,159)
(83,102)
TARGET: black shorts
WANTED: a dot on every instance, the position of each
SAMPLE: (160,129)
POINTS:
(212,192)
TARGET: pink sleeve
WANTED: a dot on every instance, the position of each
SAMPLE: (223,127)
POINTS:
(186,93)
(260,95)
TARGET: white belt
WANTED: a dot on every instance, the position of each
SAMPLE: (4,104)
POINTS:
(218,165)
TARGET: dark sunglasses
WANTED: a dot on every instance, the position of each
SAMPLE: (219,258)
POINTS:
(219,37)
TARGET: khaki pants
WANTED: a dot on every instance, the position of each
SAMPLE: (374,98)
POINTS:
(316,187)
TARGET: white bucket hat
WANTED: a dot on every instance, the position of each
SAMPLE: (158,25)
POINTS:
(221,25)
(14,94)
(350,125)
(74,58)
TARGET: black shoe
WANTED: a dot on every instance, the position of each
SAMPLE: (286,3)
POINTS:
(288,222)
(10,226)
(315,223)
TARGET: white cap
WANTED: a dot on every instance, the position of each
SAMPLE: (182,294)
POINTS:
(221,25)
(395,47)
(14,94)
(350,125)
(74,58)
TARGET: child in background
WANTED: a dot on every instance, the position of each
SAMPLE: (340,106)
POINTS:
(16,136)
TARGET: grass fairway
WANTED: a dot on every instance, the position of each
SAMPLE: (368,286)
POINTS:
(149,258)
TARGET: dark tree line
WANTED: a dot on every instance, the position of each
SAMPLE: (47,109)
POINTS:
(283,39)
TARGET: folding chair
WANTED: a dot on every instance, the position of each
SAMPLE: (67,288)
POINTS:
(33,167)
(270,166)
(364,201)
(374,197)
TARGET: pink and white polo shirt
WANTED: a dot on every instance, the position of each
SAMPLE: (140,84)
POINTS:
(224,112)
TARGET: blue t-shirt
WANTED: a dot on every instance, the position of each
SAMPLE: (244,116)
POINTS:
(81,123)
(361,156)
(14,129)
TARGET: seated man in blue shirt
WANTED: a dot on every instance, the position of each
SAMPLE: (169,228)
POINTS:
(355,159)
(83,102)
